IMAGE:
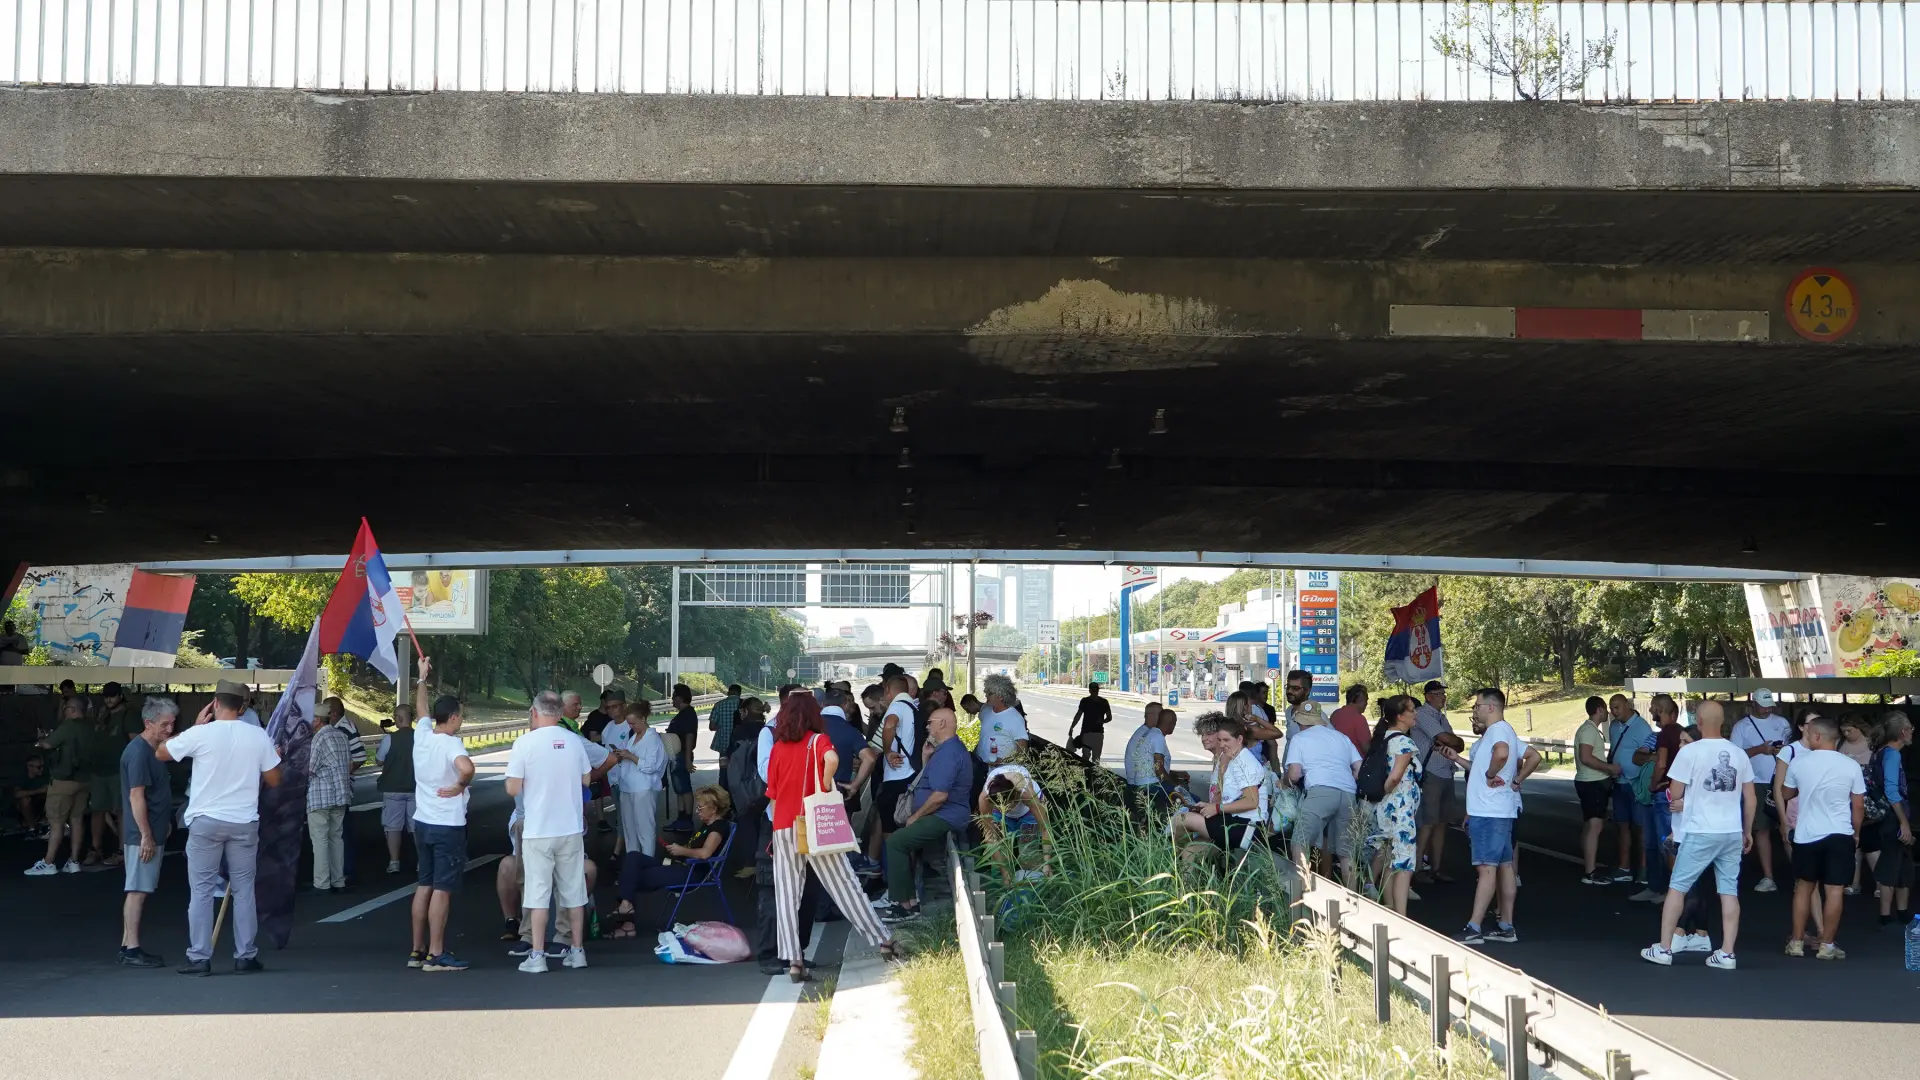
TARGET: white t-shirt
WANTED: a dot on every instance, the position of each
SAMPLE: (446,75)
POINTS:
(551,762)
(1826,781)
(228,757)
(434,755)
(1716,773)
(1494,802)
(998,732)
(1017,773)
(1145,742)
(1243,772)
(902,711)
(1749,732)
(1326,757)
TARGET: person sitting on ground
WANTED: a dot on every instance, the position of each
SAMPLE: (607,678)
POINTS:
(1239,801)
(29,792)
(643,872)
(1014,809)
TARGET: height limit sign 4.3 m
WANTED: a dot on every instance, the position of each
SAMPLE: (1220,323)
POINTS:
(1822,305)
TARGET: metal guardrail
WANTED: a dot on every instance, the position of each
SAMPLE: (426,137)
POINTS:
(1459,986)
(1005,1054)
(1129,50)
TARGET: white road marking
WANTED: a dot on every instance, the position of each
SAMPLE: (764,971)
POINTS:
(759,1047)
(401,893)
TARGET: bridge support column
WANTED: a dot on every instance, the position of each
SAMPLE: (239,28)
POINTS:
(16,572)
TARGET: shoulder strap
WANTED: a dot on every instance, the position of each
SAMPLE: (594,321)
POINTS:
(1613,755)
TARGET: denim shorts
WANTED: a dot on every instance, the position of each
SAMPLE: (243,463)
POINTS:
(1701,850)
(1491,840)
(679,778)
(442,853)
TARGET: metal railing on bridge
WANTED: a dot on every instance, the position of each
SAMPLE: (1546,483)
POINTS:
(1125,50)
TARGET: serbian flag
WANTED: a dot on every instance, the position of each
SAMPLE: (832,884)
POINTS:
(150,624)
(363,617)
(1413,652)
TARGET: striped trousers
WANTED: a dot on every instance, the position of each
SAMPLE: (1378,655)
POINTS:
(790,877)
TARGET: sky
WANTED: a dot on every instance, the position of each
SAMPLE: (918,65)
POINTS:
(1074,588)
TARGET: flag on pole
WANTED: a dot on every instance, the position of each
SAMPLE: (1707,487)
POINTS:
(363,617)
(283,809)
(1413,650)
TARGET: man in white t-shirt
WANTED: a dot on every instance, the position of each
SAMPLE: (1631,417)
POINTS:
(1003,731)
(1147,758)
(546,769)
(1710,794)
(1832,792)
(1325,763)
(230,762)
(1761,733)
(442,773)
(897,736)
(1498,765)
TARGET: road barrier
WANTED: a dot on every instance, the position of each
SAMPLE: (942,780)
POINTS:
(1005,1053)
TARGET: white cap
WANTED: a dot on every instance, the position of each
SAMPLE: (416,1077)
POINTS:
(1763,697)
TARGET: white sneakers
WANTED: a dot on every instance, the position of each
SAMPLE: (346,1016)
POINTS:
(1765,884)
(42,868)
(1690,943)
(393,866)
(70,867)
(1654,954)
(536,962)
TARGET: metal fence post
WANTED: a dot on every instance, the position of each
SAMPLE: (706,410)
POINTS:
(1619,1065)
(1026,1053)
(1382,974)
(1009,997)
(1516,1034)
(1333,917)
(1441,980)
(996,960)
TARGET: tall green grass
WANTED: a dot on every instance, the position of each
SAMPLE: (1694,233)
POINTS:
(1135,962)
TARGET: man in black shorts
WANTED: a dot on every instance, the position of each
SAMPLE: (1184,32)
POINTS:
(1091,718)
(1832,793)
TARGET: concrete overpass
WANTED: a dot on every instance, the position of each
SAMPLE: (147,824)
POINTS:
(412,306)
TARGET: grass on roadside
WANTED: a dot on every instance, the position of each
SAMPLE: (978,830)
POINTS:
(1133,963)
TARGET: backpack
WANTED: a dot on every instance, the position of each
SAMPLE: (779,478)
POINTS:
(743,778)
(1876,805)
(1374,770)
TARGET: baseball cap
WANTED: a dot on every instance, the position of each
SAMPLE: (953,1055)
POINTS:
(1435,685)
(1763,697)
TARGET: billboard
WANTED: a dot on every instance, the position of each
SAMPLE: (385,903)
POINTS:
(986,596)
(443,601)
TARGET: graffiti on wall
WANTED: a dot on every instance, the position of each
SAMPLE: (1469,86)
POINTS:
(78,609)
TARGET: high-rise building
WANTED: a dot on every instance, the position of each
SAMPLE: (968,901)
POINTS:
(1036,599)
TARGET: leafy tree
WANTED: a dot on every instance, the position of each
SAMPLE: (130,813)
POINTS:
(1519,40)
(1001,636)
(1891,664)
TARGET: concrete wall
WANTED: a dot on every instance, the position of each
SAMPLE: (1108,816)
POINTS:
(1365,146)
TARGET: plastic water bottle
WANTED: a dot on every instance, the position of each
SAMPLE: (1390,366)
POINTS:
(1913,944)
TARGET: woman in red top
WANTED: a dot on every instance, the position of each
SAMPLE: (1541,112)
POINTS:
(803,762)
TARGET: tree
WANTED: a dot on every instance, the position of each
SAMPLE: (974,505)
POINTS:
(1561,614)
(1519,40)
(1001,636)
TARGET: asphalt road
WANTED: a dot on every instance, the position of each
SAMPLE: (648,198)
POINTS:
(340,1001)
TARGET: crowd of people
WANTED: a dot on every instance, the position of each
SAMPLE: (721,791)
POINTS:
(1684,797)
(1370,802)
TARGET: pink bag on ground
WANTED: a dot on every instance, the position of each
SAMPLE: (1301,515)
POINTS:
(723,943)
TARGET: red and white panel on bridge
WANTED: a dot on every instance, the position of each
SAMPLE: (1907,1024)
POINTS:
(1577,324)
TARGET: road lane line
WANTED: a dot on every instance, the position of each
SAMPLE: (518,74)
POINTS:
(401,893)
(759,1047)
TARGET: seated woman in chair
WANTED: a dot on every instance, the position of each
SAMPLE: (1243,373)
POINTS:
(1239,802)
(641,872)
(1012,806)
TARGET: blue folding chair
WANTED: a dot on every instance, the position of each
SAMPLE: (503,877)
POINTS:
(716,876)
